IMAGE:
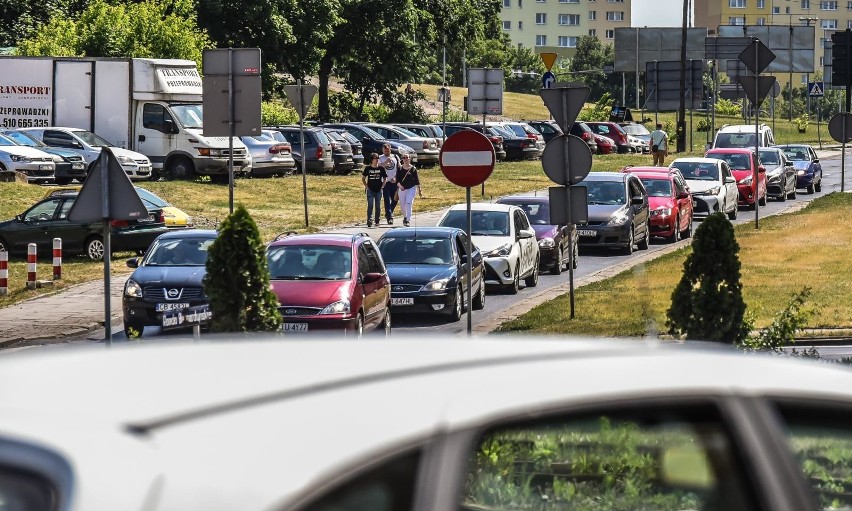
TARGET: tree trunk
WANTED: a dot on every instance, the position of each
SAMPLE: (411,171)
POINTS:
(324,74)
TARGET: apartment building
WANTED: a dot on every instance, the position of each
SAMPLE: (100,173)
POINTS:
(556,25)
(825,15)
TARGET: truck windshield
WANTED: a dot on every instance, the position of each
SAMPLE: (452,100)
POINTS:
(189,115)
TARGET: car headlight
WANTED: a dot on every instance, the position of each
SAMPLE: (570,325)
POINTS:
(124,160)
(546,243)
(661,212)
(19,159)
(619,217)
(206,151)
(500,251)
(714,191)
(339,307)
(131,288)
(436,285)
(800,172)
(746,180)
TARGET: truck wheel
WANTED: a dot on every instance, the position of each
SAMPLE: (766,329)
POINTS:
(180,167)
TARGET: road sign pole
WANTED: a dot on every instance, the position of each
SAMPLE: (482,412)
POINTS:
(843,153)
(231,130)
(819,118)
(105,210)
(756,144)
(302,149)
(573,227)
(483,132)
(470,268)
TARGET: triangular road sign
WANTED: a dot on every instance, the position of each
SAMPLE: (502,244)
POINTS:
(548,59)
(301,103)
(756,56)
(565,104)
(764,85)
(124,203)
(816,90)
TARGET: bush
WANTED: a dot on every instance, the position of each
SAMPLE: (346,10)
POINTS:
(728,107)
(274,113)
(782,331)
(703,125)
(707,303)
(600,112)
(404,107)
(237,279)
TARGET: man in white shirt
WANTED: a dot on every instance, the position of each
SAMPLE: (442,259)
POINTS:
(659,145)
(391,164)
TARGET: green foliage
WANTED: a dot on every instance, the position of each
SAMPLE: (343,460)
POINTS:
(592,55)
(801,122)
(728,107)
(599,112)
(149,29)
(274,113)
(404,107)
(703,125)
(782,331)
(240,297)
(707,303)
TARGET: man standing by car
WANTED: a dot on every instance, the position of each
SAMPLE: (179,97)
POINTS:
(659,145)
(391,165)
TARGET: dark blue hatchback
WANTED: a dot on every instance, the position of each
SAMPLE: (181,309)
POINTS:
(428,270)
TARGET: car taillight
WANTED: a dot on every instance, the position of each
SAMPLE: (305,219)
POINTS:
(587,136)
(532,136)
(119,223)
(319,152)
(496,140)
(279,149)
(162,217)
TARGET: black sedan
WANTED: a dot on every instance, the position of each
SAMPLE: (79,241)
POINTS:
(552,239)
(428,270)
(48,219)
(168,278)
(780,174)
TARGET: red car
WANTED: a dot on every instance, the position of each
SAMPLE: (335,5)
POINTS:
(330,281)
(669,201)
(742,162)
(605,144)
(612,131)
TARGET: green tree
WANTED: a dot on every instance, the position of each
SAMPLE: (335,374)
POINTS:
(150,28)
(707,303)
(591,57)
(237,279)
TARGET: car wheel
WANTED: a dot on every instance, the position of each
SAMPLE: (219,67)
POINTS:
(479,299)
(783,196)
(675,237)
(818,185)
(516,281)
(810,188)
(688,232)
(646,240)
(180,167)
(95,248)
(386,323)
(532,280)
(456,312)
(628,250)
(3,246)
(359,325)
(575,259)
(792,195)
(557,268)
(732,215)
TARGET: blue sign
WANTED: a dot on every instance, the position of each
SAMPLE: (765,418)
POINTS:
(547,80)
(816,89)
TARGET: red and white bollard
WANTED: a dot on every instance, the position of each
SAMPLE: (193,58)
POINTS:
(4,273)
(31,266)
(57,258)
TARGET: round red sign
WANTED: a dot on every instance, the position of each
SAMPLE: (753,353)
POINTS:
(467,158)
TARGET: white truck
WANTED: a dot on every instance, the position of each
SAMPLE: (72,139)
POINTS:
(152,106)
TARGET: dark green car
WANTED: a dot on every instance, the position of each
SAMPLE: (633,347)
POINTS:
(48,219)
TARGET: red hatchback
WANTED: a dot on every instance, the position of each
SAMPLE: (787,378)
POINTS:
(330,281)
(742,162)
(669,201)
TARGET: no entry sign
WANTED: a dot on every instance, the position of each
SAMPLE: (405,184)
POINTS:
(467,158)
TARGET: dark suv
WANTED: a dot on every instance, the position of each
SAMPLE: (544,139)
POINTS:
(372,141)
(330,281)
(319,155)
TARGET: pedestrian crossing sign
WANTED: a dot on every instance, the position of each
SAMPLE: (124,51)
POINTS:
(816,89)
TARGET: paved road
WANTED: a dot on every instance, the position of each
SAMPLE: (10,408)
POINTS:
(87,300)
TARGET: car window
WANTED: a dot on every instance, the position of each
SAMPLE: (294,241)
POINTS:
(375,260)
(521,221)
(649,458)
(24,491)
(419,250)
(66,207)
(461,244)
(485,223)
(701,171)
(636,189)
(605,193)
(657,187)
(735,161)
(821,440)
(770,158)
(190,251)
(42,211)
(537,213)
(59,139)
(322,137)
(154,117)
(309,262)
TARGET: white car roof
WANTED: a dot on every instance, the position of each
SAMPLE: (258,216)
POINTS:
(742,128)
(484,206)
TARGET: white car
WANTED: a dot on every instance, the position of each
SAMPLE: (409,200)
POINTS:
(137,166)
(424,425)
(37,165)
(713,186)
(504,236)
(743,135)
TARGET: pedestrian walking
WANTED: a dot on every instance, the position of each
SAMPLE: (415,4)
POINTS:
(373,177)
(409,184)
(659,146)
(391,165)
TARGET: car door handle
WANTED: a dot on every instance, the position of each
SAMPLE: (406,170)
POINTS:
(141,138)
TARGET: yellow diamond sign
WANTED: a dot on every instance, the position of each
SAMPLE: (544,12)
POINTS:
(548,59)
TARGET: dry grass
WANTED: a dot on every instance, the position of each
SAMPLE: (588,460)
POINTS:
(787,253)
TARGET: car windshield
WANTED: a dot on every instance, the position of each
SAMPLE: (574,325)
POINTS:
(349,137)
(191,251)
(22,138)
(4,140)
(504,132)
(605,192)
(485,223)
(309,262)
(735,140)
(657,187)
(275,135)
(735,161)
(438,131)
(796,153)
(405,131)
(371,133)
(770,158)
(323,138)
(636,130)
(538,213)
(190,115)
(702,171)
(93,140)
(149,197)
(407,250)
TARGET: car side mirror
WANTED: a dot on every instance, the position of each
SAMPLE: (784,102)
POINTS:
(365,140)
(729,180)
(19,218)
(170,127)
(133,262)
(637,200)
(464,258)
(371,277)
(524,234)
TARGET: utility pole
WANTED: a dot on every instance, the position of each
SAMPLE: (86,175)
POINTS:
(681,111)
(807,20)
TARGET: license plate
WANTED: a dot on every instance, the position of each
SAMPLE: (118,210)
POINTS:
(45,167)
(147,220)
(587,232)
(402,301)
(294,327)
(163,307)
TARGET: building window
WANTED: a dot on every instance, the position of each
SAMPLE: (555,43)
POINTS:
(786,10)
(566,41)
(520,4)
(848,25)
(569,1)
(507,4)
(737,4)
(849,6)
(828,24)
(520,25)
(569,19)
(540,18)
(593,15)
(541,1)
(615,15)
(828,5)
(610,34)
(761,4)
(821,62)
(806,4)
(615,1)
(541,40)
(776,10)
(593,32)
(507,25)
(736,20)
(761,21)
